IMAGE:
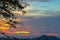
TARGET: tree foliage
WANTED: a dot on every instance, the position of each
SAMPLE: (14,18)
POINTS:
(6,6)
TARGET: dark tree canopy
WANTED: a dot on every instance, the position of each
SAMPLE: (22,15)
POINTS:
(8,5)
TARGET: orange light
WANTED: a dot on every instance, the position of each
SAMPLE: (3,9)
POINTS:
(4,28)
(22,32)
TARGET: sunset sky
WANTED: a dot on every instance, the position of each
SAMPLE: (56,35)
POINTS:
(42,17)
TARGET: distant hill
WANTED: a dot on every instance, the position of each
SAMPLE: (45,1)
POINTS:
(43,37)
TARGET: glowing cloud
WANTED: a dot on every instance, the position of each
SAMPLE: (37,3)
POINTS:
(4,28)
(3,25)
(22,32)
(37,15)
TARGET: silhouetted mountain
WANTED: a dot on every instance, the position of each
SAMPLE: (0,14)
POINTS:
(43,37)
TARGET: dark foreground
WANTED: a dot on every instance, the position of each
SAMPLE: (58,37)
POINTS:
(43,37)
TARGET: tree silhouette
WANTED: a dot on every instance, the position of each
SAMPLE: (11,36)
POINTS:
(6,6)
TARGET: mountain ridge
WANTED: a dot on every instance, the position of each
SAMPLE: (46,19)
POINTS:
(43,37)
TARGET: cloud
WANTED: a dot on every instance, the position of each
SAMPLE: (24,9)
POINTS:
(34,11)
(52,34)
(37,15)
(24,33)
(54,13)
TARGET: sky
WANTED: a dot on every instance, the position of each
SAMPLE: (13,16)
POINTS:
(42,18)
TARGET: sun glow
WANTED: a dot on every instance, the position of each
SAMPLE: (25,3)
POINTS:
(22,32)
(4,28)
(3,25)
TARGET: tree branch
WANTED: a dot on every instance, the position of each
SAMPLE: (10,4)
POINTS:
(6,10)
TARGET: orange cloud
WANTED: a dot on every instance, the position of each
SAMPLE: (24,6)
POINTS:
(22,32)
(4,26)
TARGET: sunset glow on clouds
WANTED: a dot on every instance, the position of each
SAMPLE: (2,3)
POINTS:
(42,17)
(3,25)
